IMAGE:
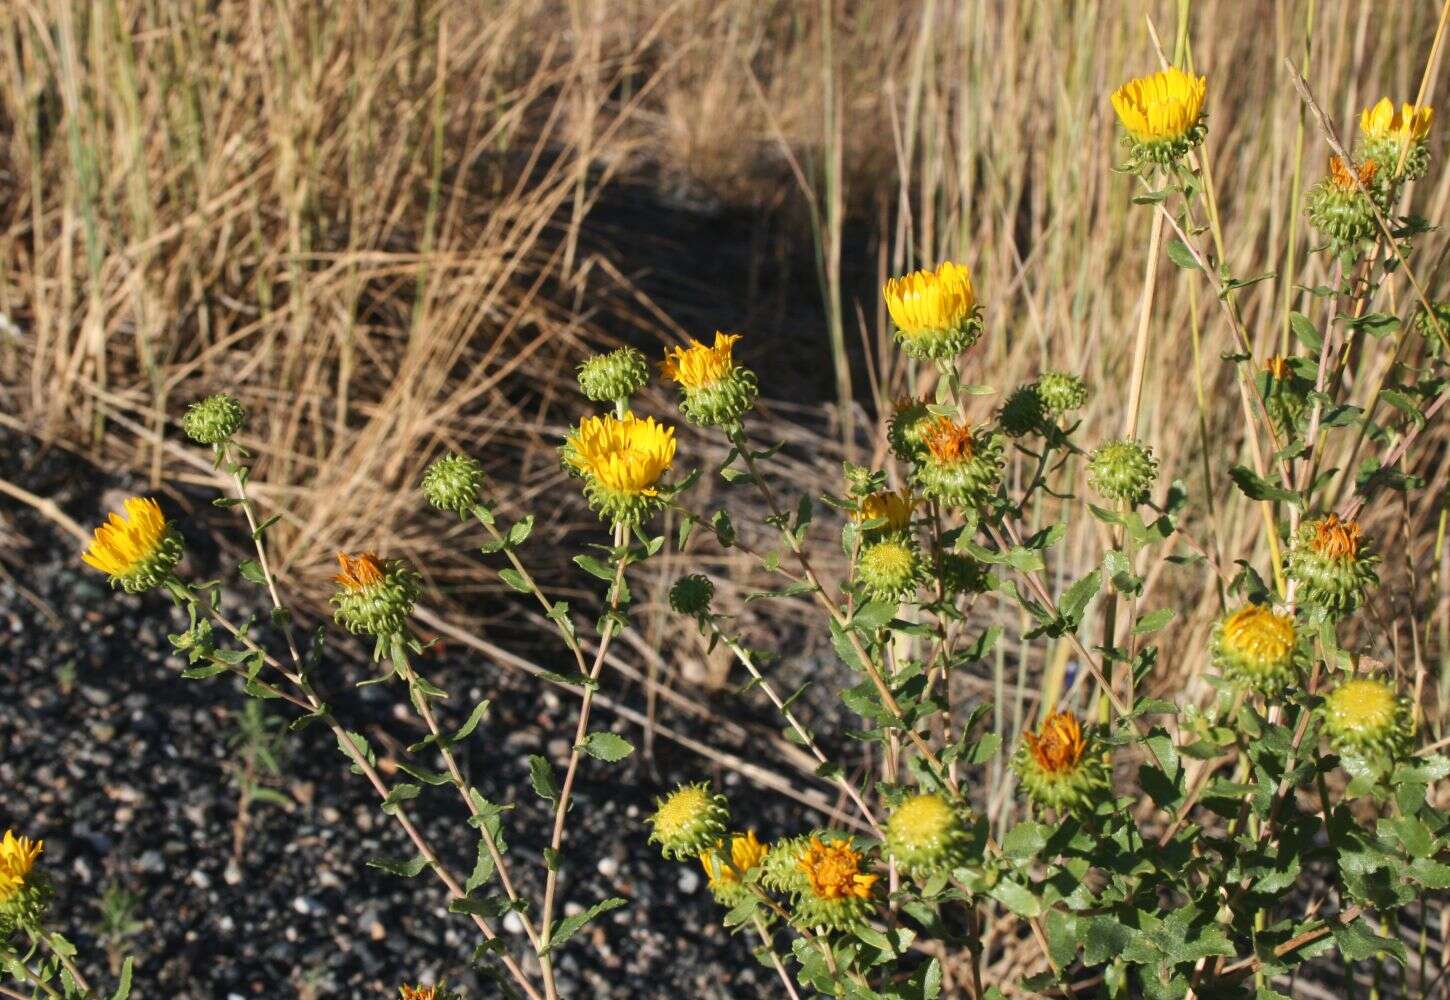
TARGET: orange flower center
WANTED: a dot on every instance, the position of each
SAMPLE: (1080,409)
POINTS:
(1277,366)
(1058,746)
(949,441)
(834,871)
(1343,178)
(1335,538)
(359,572)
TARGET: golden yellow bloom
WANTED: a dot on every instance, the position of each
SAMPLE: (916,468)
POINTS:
(1343,178)
(893,505)
(1277,366)
(949,441)
(359,572)
(1336,539)
(746,851)
(1162,107)
(1382,121)
(698,366)
(834,871)
(126,542)
(1058,746)
(419,992)
(622,454)
(17,857)
(1257,632)
(1362,705)
(924,303)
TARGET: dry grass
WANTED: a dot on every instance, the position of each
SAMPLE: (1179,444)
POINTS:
(395,228)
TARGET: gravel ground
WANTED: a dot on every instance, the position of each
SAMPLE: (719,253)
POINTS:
(129,775)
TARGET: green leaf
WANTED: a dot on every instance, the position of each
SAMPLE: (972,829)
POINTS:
(595,567)
(517,581)
(520,531)
(402,792)
(606,746)
(1179,253)
(123,987)
(1017,898)
(1255,487)
(473,720)
(1106,938)
(483,869)
(252,570)
(1305,330)
(1153,621)
(1356,942)
(874,615)
(541,774)
(1026,839)
(569,926)
(1079,594)
(403,869)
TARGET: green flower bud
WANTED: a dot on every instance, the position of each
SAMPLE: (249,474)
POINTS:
(1341,211)
(691,595)
(926,835)
(781,870)
(1022,413)
(374,598)
(960,467)
(1257,649)
(689,821)
(1331,565)
(1367,718)
(1061,767)
(453,483)
(905,432)
(1434,324)
(608,378)
(1061,393)
(962,574)
(1123,470)
(214,419)
(889,569)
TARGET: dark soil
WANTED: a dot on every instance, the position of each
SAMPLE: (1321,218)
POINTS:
(129,774)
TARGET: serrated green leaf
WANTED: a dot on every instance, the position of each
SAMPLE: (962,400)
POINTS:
(606,746)
(541,775)
(403,869)
(570,926)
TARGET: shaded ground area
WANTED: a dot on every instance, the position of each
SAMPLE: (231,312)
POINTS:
(129,775)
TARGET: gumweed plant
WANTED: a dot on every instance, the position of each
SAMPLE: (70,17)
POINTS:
(1154,846)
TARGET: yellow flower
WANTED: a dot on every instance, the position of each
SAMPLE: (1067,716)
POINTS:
(935,312)
(895,506)
(1164,107)
(418,992)
(622,454)
(746,851)
(136,549)
(1278,366)
(1256,632)
(698,366)
(17,857)
(833,871)
(126,541)
(1382,121)
(1362,705)
(1057,747)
